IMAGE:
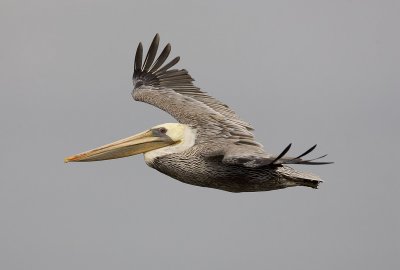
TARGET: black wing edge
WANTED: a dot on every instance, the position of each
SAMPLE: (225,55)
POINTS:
(281,160)
(152,72)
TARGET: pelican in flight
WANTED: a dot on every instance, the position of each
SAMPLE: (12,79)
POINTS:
(210,146)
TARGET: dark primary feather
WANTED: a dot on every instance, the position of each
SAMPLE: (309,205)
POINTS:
(161,59)
(281,154)
(151,54)
(138,58)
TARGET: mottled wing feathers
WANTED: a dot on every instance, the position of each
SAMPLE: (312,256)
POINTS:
(173,91)
(177,79)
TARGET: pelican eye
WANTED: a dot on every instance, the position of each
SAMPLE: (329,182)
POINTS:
(163,130)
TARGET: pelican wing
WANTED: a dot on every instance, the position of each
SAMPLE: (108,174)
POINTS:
(254,157)
(173,91)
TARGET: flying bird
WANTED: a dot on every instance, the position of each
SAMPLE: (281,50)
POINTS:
(210,146)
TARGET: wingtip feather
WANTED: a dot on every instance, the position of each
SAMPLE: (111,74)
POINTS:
(161,59)
(151,54)
(138,57)
(281,154)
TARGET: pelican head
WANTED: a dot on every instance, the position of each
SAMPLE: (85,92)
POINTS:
(157,141)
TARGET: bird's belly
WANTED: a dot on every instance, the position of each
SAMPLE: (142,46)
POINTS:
(215,174)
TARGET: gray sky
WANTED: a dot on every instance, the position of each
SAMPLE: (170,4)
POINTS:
(305,72)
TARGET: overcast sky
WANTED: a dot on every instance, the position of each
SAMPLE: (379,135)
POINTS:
(305,72)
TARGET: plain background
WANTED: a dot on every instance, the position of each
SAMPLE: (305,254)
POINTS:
(305,72)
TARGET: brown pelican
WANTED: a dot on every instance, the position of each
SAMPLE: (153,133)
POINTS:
(210,146)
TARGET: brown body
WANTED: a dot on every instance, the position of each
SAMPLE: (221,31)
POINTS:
(195,168)
(210,146)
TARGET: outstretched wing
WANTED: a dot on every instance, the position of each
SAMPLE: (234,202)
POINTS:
(173,91)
